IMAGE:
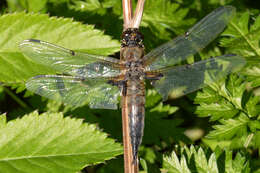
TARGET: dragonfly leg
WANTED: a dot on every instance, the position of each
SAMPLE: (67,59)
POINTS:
(153,76)
(120,84)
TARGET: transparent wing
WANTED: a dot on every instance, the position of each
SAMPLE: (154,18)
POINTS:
(68,61)
(187,78)
(76,91)
(193,41)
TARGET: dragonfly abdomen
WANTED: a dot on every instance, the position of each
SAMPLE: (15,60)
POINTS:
(135,102)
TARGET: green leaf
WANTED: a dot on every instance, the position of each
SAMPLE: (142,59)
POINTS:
(253,75)
(238,164)
(222,99)
(64,32)
(162,20)
(28,5)
(2,120)
(242,40)
(230,128)
(88,5)
(144,165)
(173,165)
(96,6)
(165,14)
(234,108)
(152,98)
(52,143)
(17,68)
(207,96)
(158,118)
(216,111)
(195,160)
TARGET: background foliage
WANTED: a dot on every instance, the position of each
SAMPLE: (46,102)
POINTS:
(221,121)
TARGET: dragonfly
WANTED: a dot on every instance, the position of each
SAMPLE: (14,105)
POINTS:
(99,81)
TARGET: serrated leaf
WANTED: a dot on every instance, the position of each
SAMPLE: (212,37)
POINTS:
(212,164)
(207,96)
(236,89)
(204,164)
(62,31)
(160,14)
(234,108)
(173,165)
(230,128)
(242,40)
(201,161)
(253,74)
(51,143)
(216,111)
(238,164)
(164,108)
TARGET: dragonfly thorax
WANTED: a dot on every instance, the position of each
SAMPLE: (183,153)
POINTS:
(132,60)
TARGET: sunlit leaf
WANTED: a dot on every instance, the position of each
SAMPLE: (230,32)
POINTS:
(52,143)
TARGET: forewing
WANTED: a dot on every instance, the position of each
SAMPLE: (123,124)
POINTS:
(68,61)
(76,91)
(185,79)
(193,41)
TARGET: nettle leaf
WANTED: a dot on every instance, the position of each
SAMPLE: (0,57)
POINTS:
(93,5)
(15,67)
(61,31)
(51,143)
(195,160)
(243,40)
(29,5)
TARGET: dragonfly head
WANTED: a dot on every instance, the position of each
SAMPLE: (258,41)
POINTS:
(132,37)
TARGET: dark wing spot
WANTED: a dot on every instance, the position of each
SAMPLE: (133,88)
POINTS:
(229,55)
(34,40)
(72,53)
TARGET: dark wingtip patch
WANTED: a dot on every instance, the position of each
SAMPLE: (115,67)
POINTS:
(38,76)
(72,53)
(231,54)
(34,40)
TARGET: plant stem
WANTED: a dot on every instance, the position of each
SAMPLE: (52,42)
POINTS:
(138,14)
(130,166)
(17,99)
(127,12)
